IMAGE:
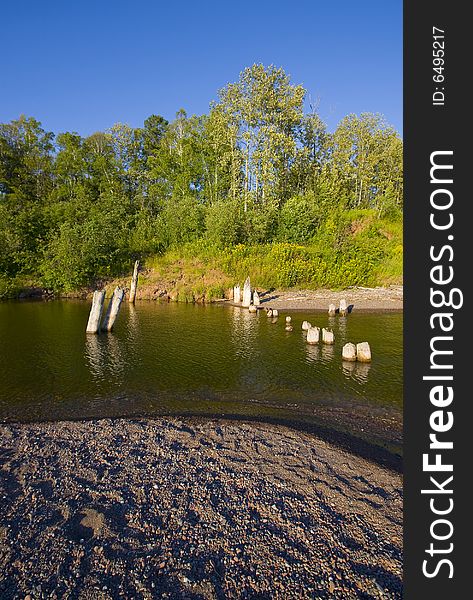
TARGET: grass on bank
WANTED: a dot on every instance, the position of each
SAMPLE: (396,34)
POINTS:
(360,250)
(371,255)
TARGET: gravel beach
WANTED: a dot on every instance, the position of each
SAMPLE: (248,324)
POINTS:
(380,299)
(197,509)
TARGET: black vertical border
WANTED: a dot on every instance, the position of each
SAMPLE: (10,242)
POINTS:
(429,128)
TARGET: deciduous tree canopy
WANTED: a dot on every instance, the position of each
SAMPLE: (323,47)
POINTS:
(255,169)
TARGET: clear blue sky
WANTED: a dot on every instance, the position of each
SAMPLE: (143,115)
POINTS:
(80,65)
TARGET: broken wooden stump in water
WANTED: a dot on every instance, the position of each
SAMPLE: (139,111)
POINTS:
(343,307)
(113,308)
(252,308)
(93,324)
(306,325)
(134,282)
(269,312)
(246,293)
(256,299)
(332,309)
(313,335)
(363,352)
(288,324)
(349,352)
(288,319)
(327,336)
(236,293)
(275,312)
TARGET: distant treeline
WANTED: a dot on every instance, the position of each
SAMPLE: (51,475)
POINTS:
(257,168)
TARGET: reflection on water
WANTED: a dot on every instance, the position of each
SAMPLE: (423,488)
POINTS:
(104,356)
(357,370)
(342,326)
(174,358)
(312,352)
(331,321)
(133,321)
(116,360)
(328,352)
(243,332)
(95,355)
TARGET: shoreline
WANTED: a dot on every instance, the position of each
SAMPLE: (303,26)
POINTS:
(379,299)
(197,508)
(388,455)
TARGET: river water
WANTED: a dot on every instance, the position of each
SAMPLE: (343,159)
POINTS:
(164,359)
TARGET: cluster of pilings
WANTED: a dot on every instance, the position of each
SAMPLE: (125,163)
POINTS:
(350,352)
(248,298)
(314,335)
(342,310)
(360,352)
(95,323)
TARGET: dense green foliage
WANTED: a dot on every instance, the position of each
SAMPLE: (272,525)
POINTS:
(256,179)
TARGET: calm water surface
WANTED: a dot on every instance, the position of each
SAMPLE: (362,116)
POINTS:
(195,359)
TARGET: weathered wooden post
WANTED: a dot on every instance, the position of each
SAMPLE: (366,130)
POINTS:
(236,293)
(349,352)
(343,307)
(252,308)
(327,336)
(332,310)
(288,319)
(313,335)
(93,324)
(134,282)
(256,300)
(363,352)
(269,312)
(246,294)
(306,325)
(275,312)
(112,310)
(288,324)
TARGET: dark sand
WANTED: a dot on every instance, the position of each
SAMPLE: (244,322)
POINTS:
(186,508)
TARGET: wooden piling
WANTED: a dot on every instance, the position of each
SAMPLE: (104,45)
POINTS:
(349,352)
(363,352)
(332,310)
(246,293)
(327,336)
(134,282)
(93,324)
(112,310)
(343,307)
(313,335)
(236,293)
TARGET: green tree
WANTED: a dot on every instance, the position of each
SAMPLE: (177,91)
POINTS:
(266,111)
(25,183)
